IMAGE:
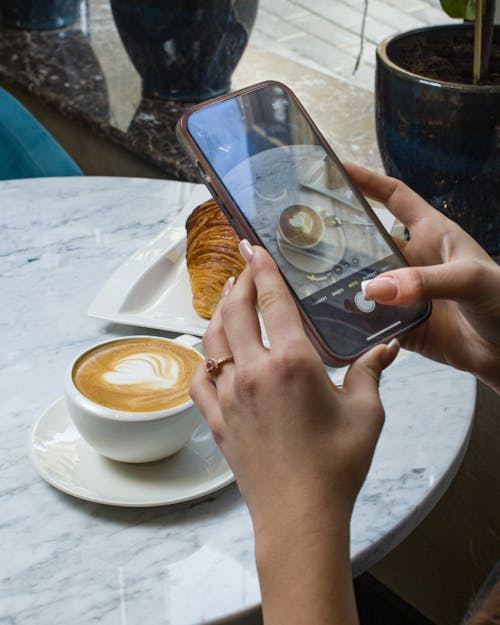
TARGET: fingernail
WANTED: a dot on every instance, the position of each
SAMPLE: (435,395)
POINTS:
(391,351)
(246,250)
(381,288)
(393,345)
(228,286)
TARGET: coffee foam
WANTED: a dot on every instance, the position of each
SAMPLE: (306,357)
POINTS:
(136,375)
(148,370)
(301,225)
(303,222)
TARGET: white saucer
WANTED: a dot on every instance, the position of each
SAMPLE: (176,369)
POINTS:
(319,259)
(65,460)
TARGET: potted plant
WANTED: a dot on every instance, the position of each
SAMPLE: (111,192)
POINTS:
(438,116)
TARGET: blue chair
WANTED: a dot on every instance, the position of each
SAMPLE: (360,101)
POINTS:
(27,150)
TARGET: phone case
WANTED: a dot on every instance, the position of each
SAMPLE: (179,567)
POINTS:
(242,228)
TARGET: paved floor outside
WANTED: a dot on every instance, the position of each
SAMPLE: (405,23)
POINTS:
(325,34)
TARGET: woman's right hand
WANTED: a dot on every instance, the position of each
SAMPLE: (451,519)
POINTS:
(448,267)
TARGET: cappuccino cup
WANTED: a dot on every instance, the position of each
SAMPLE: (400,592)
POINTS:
(301,226)
(129,397)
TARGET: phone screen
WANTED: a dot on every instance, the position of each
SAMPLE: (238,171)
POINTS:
(295,196)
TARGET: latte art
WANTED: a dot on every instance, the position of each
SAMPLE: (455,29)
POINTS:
(303,222)
(301,225)
(146,370)
(136,375)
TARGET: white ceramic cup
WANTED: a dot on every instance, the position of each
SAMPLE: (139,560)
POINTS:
(132,436)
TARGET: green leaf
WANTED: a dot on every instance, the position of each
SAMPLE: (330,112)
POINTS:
(466,9)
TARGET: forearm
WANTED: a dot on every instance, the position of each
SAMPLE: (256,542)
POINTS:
(306,578)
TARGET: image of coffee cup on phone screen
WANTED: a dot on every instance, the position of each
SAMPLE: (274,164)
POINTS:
(301,226)
(318,259)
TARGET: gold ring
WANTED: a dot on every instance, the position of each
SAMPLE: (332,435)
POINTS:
(212,365)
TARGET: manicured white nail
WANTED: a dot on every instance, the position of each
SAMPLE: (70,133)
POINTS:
(381,288)
(391,351)
(246,250)
(393,344)
(364,284)
(228,286)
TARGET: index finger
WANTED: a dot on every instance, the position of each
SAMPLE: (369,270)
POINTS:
(241,324)
(400,200)
(278,308)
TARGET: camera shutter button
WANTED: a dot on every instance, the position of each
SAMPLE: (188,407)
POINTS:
(365,305)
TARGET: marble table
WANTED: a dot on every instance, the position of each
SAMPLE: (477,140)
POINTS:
(68,560)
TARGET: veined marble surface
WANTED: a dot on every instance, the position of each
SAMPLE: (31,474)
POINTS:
(69,561)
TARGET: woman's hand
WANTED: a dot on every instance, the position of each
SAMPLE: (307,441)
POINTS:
(286,431)
(299,447)
(448,267)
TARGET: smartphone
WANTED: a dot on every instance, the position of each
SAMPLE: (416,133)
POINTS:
(281,186)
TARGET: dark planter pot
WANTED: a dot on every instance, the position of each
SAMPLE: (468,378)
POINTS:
(39,14)
(184,49)
(441,138)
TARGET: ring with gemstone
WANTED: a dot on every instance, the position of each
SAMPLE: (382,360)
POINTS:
(212,365)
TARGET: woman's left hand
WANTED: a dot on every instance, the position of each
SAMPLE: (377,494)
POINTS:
(299,447)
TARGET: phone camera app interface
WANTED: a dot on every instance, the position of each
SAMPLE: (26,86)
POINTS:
(297,200)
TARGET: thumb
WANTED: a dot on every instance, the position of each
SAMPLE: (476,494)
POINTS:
(459,280)
(364,374)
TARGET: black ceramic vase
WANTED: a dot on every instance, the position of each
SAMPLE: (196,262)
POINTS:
(184,49)
(441,138)
(39,14)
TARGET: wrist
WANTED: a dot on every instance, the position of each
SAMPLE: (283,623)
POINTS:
(305,573)
(274,550)
(291,533)
(293,513)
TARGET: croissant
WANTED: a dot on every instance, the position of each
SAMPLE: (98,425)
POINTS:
(212,256)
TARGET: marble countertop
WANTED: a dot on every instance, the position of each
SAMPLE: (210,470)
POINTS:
(84,73)
(68,560)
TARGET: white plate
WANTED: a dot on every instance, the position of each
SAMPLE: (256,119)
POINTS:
(152,289)
(67,462)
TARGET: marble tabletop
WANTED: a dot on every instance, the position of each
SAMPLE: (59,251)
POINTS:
(68,560)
